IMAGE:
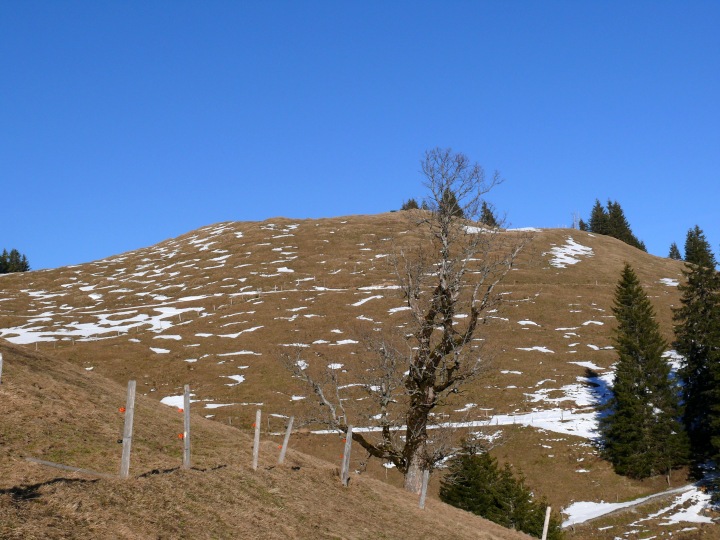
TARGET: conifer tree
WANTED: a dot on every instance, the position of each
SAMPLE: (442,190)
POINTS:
(612,222)
(697,249)
(618,226)
(641,431)
(697,338)
(487,215)
(582,225)
(13,262)
(674,252)
(449,204)
(598,223)
(410,204)
(477,484)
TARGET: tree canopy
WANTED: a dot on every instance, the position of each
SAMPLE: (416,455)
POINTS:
(697,339)
(13,261)
(474,482)
(448,279)
(611,221)
(697,249)
(642,434)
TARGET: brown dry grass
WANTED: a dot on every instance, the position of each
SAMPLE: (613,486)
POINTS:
(341,255)
(56,411)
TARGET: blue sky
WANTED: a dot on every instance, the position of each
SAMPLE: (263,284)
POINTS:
(124,123)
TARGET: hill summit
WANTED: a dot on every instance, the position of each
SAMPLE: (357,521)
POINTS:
(219,307)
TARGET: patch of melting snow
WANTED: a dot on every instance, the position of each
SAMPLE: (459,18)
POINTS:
(568,254)
(335,366)
(176,401)
(674,358)
(528,323)
(159,351)
(361,302)
(396,309)
(467,407)
(587,323)
(588,365)
(670,282)
(237,378)
(302,364)
(536,348)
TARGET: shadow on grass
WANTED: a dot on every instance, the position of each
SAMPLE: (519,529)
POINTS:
(173,469)
(29,493)
(600,391)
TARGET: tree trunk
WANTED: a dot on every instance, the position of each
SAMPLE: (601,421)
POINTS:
(413,476)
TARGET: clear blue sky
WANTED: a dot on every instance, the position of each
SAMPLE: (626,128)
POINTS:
(124,123)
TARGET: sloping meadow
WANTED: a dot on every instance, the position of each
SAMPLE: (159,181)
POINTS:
(225,307)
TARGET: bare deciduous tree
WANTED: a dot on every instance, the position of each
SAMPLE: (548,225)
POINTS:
(448,281)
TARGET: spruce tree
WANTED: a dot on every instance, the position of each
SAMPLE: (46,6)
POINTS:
(410,204)
(619,227)
(449,204)
(477,484)
(697,339)
(13,262)
(598,222)
(612,222)
(487,215)
(582,225)
(674,252)
(697,249)
(641,431)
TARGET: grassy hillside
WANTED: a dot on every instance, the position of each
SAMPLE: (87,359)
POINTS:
(61,413)
(218,307)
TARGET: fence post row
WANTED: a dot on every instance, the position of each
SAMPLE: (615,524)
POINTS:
(256,442)
(186,433)
(128,430)
(281,459)
(345,469)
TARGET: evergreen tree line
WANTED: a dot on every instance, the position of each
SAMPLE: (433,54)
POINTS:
(449,201)
(655,423)
(611,221)
(13,262)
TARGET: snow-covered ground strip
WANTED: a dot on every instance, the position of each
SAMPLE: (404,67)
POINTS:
(580,424)
(568,253)
(686,507)
(670,282)
(163,320)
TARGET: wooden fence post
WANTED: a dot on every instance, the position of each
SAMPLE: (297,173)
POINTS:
(186,433)
(256,442)
(423,490)
(281,459)
(128,430)
(547,524)
(345,469)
